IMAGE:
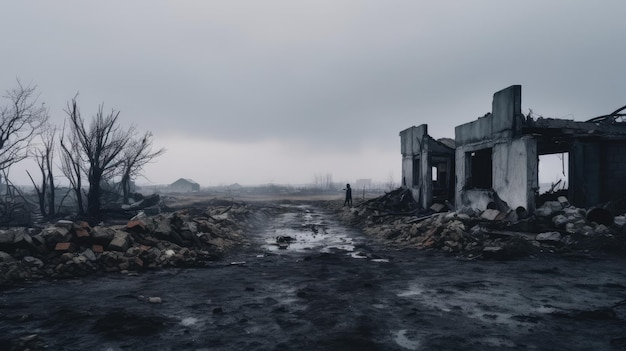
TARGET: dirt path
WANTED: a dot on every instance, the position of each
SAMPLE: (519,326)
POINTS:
(330,289)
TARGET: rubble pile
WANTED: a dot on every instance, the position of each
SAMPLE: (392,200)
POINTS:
(395,202)
(67,248)
(497,232)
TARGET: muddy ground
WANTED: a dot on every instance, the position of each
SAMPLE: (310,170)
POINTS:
(326,286)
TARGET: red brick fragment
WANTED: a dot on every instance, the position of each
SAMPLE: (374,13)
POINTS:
(136,224)
(64,247)
(97,248)
(81,233)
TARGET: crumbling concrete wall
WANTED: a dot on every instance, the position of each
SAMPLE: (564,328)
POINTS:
(515,172)
(513,157)
(416,170)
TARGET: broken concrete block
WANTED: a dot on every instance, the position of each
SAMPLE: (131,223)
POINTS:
(548,208)
(84,225)
(563,201)
(102,235)
(490,214)
(602,229)
(63,223)
(141,222)
(81,233)
(80,259)
(548,237)
(504,215)
(136,225)
(32,262)
(57,234)
(22,238)
(620,221)
(559,220)
(68,247)
(91,256)
(438,207)
(132,251)
(120,242)
(154,299)
(163,227)
(5,257)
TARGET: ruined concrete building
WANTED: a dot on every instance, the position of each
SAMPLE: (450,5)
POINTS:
(427,166)
(497,155)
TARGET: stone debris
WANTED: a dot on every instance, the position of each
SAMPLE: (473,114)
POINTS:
(154,299)
(179,239)
(554,237)
(496,232)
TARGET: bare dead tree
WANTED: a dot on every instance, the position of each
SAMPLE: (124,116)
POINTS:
(20,120)
(71,167)
(137,154)
(100,146)
(43,154)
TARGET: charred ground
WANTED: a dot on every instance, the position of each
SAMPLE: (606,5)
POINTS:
(301,278)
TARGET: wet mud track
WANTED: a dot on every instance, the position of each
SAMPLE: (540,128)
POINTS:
(330,288)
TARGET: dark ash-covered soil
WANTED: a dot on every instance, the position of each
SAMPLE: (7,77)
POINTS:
(325,286)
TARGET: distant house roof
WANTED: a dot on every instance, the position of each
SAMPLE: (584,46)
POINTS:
(184,180)
(184,185)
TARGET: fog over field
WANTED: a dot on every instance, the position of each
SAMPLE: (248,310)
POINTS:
(257,92)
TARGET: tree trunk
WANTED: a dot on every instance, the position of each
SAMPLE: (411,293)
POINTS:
(51,199)
(93,196)
(125,188)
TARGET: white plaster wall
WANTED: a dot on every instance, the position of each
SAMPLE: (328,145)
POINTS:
(407,170)
(514,172)
(460,175)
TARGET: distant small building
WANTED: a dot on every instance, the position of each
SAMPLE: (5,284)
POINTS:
(183,185)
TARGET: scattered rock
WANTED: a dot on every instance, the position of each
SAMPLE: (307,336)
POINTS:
(154,299)
(120,241)
(66,249)
(549,237)
(490,214)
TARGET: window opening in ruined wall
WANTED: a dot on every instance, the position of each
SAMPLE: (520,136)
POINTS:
(553,172)
(480,166)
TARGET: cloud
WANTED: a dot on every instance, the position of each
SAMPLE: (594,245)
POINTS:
(321,76)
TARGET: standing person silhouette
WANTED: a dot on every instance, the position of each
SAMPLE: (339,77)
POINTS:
(348,195)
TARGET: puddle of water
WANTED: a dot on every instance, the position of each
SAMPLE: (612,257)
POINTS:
(307,231)
(403,341)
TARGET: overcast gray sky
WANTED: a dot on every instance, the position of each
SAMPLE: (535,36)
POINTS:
(276,91)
